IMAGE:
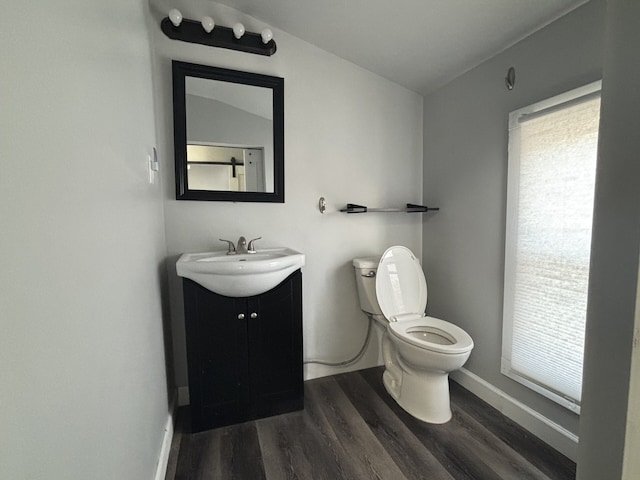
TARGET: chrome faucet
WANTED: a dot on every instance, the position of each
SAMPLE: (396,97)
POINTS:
(241,246)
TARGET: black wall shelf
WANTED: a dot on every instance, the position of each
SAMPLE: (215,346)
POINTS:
(410,208)
(192,32)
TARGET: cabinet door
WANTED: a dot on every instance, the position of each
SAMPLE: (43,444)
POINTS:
(275,349)
(217,356)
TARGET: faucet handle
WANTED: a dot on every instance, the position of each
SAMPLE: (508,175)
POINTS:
(251,248)
(232,248)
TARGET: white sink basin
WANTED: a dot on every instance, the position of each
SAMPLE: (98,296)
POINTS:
(240,275)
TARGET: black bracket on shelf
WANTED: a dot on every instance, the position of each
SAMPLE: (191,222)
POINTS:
(354,208)
(410,208)
(420,208)
(192,32)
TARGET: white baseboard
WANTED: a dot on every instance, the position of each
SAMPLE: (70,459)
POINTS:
(548,431)
(163,460)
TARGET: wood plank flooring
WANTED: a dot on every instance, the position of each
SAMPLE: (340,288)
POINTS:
(351,429)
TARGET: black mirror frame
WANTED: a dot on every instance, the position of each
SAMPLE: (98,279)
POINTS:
(181,70)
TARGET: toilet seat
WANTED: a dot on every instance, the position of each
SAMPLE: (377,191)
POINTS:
(432,334)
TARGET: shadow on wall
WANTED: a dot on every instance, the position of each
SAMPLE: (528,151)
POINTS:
(167,330)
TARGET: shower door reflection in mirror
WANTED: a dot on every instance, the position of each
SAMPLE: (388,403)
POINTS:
(234,169)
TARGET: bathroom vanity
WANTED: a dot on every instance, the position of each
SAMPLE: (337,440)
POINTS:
(244,353)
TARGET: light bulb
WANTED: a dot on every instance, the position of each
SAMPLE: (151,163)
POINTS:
(266,35)
(175,16)
(238,30)
(208,24)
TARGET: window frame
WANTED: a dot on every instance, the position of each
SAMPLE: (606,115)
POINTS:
(562,100)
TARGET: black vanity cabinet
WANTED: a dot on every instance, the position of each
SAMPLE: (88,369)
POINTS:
(244,354)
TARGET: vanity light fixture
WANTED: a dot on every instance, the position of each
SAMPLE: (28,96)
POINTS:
(206,32)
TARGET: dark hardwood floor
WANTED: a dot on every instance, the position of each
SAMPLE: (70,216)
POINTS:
(351,429)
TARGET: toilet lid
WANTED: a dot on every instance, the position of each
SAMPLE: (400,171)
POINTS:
(401,288)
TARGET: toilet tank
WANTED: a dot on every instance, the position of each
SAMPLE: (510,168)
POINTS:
(365,271)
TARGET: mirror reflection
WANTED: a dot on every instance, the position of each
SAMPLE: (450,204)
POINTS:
(228,121)
(229,137)
(236,169)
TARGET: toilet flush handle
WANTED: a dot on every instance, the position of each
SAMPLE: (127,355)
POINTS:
(369,274)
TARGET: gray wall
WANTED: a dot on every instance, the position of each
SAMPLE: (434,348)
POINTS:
(83,392)
(465,171)
(614,263)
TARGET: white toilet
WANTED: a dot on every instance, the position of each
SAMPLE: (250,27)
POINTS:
(418,351)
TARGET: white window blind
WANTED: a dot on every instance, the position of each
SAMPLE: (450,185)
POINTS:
(551,180)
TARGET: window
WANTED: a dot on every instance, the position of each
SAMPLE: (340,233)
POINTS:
(551,179)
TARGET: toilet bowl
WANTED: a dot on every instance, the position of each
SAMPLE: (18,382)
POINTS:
(418,351)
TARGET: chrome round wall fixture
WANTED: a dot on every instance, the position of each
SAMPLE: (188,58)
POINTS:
(510,79)
(322,204)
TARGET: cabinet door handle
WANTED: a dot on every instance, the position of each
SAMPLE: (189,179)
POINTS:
(241,316)
(253,315)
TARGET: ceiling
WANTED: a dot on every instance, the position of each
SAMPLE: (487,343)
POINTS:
(420,44)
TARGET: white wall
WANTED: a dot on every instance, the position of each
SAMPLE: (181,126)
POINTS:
(82,375)
(350,136)
(465,172)
(610,343)
(230,125)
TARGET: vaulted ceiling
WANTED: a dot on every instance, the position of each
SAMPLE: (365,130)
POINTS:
(420,44)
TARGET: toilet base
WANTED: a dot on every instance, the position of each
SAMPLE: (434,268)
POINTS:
(424,395)
(420,392)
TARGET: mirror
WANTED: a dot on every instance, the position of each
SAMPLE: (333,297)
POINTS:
(228,134)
